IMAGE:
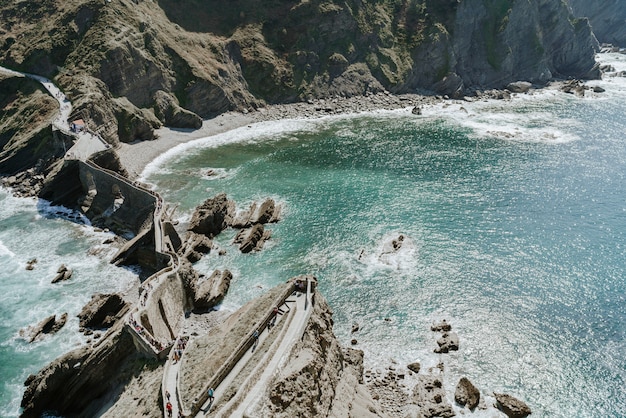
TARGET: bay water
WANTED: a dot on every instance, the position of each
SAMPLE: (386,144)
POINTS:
(514,218)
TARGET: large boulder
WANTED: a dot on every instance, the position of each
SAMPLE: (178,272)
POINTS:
(511,406)
(213,216)
(414,367)
(103,311)
(519,86)
(466,393)
(212,291)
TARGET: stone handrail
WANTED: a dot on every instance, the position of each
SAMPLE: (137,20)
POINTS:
(237,354)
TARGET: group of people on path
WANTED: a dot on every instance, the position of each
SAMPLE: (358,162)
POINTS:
(145,334)
(178,350)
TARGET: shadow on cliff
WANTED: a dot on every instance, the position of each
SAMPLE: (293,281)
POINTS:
(223,18)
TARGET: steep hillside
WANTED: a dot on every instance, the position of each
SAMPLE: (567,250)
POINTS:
(131,65)
(607,17)
(26,111)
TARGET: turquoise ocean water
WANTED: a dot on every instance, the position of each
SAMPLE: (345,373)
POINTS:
(515,221)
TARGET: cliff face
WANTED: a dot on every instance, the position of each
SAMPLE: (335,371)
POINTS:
(607,17)
(25,125)
(320,378)
(208,56)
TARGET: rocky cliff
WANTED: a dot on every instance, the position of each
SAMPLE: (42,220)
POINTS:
(607,17)
(131,65)
(26,137)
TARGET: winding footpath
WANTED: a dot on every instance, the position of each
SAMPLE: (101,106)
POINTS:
(85,145)
(289,325)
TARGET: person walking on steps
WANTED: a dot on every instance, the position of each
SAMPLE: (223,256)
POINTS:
(256,338)
(211,396)
(168,406)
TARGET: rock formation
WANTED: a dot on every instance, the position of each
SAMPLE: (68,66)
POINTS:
(102,311)
(211,291)
(320,378)
(49,325)
(168,110)
(195,246)
(63,273)
(252,239)
(449,341)
(72,382)
(267,212)
(511,406)
(414,367)
(430,396)
(466,393)
(213,216)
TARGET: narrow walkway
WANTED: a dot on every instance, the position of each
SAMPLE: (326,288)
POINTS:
(255,382)
(219,390)
(258,381)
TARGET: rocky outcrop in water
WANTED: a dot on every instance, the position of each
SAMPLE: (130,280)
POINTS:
(63,273)
(213,216)
(49,325)
(511,406)
(252,239)
(466,393)
(267,212)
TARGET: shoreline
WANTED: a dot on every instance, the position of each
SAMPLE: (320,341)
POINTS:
(136,156)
